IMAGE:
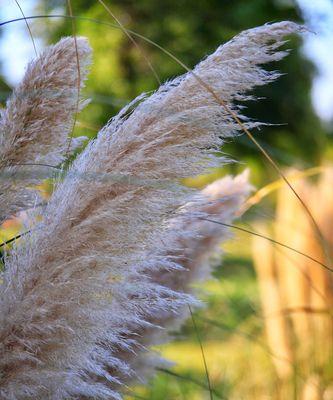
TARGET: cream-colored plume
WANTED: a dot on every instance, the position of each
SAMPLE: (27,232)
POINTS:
(38,118)
(80,285)
(192,241)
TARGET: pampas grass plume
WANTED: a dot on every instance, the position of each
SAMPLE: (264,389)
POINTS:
(193,242)
(37,120)
(80,285)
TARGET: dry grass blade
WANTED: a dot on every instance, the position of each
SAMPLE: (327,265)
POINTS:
(202,354)
(69,4)
(28,27)
(276,326)
(271,240)
(192,380)
(273,186)
(129,35)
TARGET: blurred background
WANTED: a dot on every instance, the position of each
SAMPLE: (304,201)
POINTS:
(267,330)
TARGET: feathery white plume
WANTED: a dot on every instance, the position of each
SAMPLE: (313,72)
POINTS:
(81,275)
(191,241)
(37,120)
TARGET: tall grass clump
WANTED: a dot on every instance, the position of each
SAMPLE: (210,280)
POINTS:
(296,292)
(110,260)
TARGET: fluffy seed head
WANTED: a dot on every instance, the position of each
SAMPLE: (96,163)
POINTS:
(81,283)
(37,120)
